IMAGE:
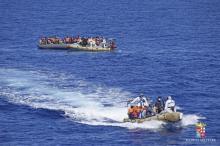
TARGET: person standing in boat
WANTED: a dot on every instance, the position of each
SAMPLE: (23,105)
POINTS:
(170,105)
(140,101)
(159,105)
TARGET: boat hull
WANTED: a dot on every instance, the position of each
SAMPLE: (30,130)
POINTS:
(53,46)
(167,117)
(72,47)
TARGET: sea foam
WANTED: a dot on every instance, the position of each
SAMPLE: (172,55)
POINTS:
(84,103)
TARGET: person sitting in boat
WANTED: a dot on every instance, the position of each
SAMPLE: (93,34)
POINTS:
(131,112)
(134,112)
(149,109)
(143,105)
(170,105)
(43,41)
(84,42)
(144,112)
(139,112)
(159,105)
(103,44)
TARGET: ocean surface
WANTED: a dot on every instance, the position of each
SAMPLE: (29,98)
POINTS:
(59,97)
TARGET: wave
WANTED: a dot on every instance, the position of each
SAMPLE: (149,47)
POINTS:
(81,101)
(190,119)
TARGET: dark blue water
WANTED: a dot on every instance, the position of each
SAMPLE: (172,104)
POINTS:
(52,97)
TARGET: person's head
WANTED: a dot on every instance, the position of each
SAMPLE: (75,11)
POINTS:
(158,98)
(169,98)
(141,95)
(132,106)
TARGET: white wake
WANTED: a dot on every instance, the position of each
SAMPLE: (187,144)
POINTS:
(81,101)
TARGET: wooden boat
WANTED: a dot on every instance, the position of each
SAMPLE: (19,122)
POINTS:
(75,47)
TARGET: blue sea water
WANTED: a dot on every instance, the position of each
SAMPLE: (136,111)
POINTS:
(51,97)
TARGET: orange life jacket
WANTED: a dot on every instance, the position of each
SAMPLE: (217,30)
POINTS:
(137,111)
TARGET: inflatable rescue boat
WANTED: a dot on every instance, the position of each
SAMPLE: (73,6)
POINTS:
(166,117)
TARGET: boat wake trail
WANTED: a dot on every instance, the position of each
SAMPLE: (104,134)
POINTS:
(81,101)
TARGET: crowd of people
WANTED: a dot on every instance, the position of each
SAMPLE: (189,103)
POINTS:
(82,41)
(142,107)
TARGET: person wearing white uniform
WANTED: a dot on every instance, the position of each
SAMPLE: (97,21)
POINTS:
(170,105)
(104,43)
(140,101)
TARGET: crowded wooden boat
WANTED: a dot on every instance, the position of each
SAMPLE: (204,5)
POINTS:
(78,43)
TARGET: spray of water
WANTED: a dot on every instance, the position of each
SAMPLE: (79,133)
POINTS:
(81,101)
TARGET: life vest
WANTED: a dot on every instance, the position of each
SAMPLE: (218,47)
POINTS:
(136,111)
